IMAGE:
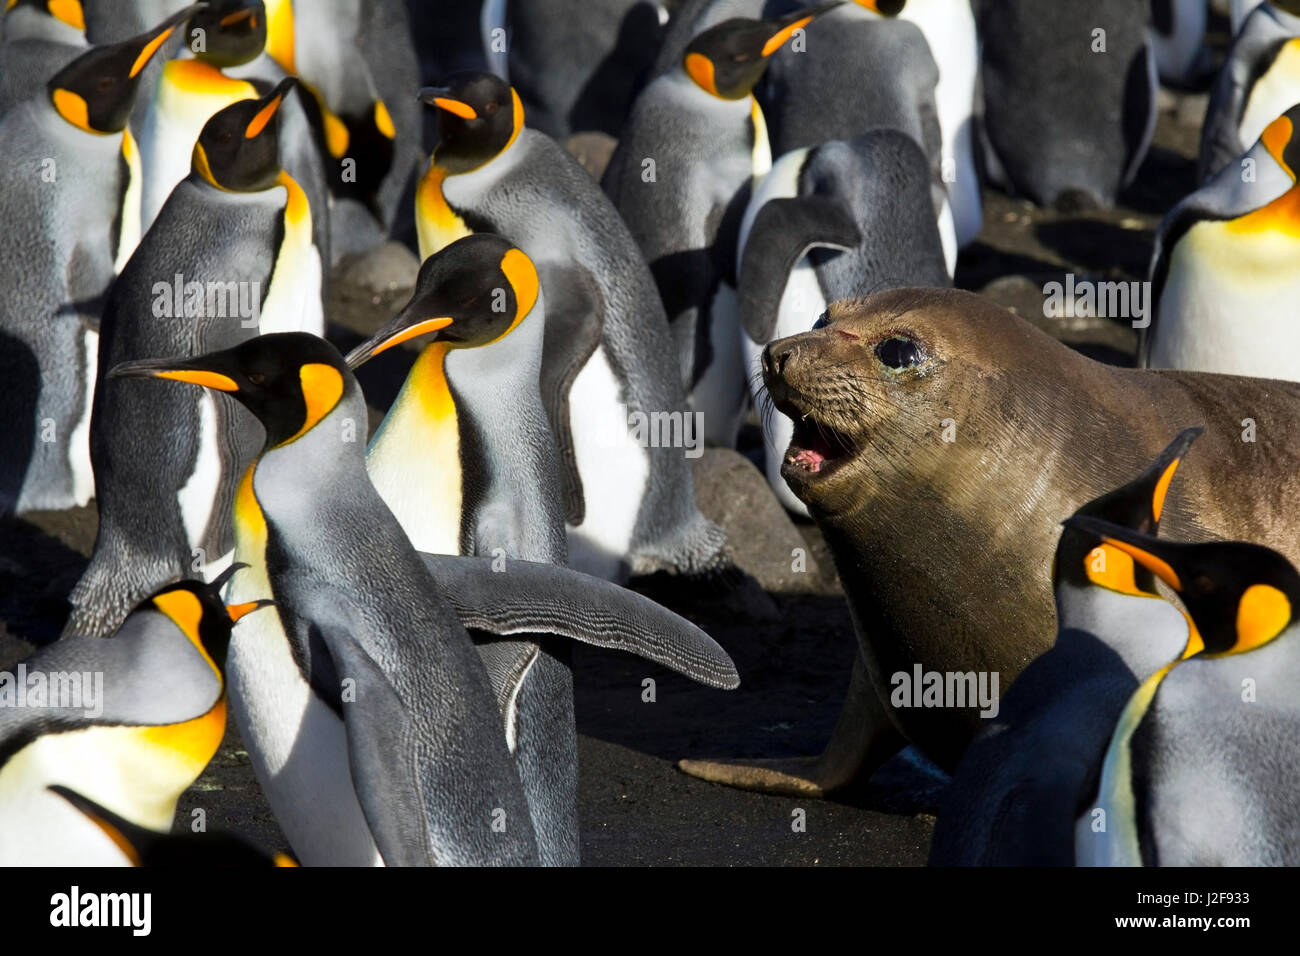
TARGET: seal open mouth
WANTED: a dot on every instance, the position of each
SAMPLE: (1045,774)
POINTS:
(816,448)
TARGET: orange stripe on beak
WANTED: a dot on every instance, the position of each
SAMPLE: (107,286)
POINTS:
(262,118)
(415,331)
(777,41)
(455,107)
(150,49)
(215,380)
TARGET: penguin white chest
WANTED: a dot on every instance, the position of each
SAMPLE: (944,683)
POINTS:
(293,302)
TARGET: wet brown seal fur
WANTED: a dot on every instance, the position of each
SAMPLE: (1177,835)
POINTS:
(945,547)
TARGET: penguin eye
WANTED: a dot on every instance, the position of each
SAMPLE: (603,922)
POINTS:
(491,108)
(898,352)
(106,83)
(739,57)
(223,137)
(257,378)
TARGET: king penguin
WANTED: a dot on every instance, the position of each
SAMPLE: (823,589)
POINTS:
(1069,98)
(218,263)
(1225,272)
(1259,81)
(1203,766)
(37,39)
(1178,39)
(691,149)
(145,847)
(607,356)
(1023,781)
(838,221)
(69,196)
(466,461)
(129,721)
(369,716)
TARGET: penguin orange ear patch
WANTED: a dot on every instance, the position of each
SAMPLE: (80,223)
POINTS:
(72,108)
(700,69)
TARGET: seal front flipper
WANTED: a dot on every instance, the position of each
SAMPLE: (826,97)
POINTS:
(783,232)
(574,323)
(529,597)
(863,739)
(381,752)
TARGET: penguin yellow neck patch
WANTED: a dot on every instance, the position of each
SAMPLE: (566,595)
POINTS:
(384,121)
(279,33)
(436,222)
(69,12)
(195,76)
(1282,215)
(1112,569)
(186,613)
(322,387)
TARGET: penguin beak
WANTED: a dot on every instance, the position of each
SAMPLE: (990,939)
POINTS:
(271,104)
(150,42)
(177,371)
(239,16)
(440,96)
(1157,556)
(237,611)
(402,328)
(787,25)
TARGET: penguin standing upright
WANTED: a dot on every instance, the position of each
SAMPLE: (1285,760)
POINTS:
(365,649)
(129,721)
(37,39)
(1259,81)
(1225,271)
(839,221)
(69,196)
(608,357)
(691,149)
(220,260)
(811,99)
(1178,39)
(466,461)
(1204,765)
(1069,98)
(1018,789)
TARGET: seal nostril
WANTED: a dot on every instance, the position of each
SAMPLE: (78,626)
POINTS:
(774,359)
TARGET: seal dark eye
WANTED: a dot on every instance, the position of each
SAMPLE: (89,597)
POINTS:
(898,352)
(823,320)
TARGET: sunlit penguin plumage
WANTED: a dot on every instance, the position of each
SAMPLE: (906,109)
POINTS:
(1225,272)
(608,354)
(211,270)
(151,713)
(1204,762)
(69,196)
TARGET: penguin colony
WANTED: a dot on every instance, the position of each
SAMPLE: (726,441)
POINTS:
(389,618)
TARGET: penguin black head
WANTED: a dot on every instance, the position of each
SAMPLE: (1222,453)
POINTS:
(197,609)
(234,32)
(1282,140)
(66,11)
(1082,559)
(145,847)
(1239,595)
(479,116)
(289,380)
(728,59)
(886,8)
(239,148)
(472,293)
(96,91)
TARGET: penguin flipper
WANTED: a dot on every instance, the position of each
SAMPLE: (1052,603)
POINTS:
(783,232)
(529,597)
(574,324)
(381,752)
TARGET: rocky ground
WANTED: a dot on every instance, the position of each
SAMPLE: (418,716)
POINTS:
(788,632)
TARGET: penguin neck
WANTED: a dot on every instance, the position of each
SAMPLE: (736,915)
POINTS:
(1145,630)
(761,154)
(414,459)
(437,224)
(129,222)
(1282,215)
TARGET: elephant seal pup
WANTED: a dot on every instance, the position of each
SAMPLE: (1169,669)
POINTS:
(939,442)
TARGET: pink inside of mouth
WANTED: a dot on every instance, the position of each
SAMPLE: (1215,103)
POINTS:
(807,458)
